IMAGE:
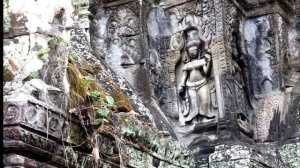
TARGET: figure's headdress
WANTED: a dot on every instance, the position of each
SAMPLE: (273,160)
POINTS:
(192,37)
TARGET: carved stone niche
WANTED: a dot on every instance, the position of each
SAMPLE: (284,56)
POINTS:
(207,76)
(236,77)
(193,107)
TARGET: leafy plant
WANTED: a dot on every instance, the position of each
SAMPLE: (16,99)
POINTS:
(103,113)
(61,39)
(42,52)
(58,39)
(73,57)
(110,100)
(101,121)
(96,95)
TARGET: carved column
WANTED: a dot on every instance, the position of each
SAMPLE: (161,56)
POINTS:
(266,36)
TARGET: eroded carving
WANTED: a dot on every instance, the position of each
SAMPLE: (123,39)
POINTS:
(193,90)
(124,38)
(12,112)
(236,79)
(37,116)
(239,69)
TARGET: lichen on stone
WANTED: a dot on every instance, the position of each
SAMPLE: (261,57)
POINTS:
(6,17)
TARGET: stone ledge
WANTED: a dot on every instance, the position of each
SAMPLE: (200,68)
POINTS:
(283,8)
(34,115)
(250,5)
(12,160)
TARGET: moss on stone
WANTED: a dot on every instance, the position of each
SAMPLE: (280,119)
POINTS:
(121,99)
(78,89)
(6,17)
(86,67)
(76,136)
(7,74)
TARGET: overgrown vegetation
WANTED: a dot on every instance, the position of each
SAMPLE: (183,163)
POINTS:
(93,103)
(86,94)
(88,100)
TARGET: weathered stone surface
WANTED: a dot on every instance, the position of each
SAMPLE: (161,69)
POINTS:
(46,18)
(248,41)
(35,115)
(289,154)
(248,156)
(221,77)
(13,160)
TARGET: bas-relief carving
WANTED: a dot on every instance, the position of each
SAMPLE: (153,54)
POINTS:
(196,94)
(259,41)
(124,36)
(189,62)
(15,160)
(31,142)
(35,116)
(119,39)
(269,67)
(193,88)
(198,103)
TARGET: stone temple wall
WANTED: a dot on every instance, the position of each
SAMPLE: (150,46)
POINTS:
(151,83)
(45,42)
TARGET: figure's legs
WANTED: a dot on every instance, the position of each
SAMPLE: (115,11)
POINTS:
(194,107)
(204,101)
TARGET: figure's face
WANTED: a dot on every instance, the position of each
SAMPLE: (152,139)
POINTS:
(193,51)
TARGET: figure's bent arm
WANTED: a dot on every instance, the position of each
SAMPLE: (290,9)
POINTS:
(208,64)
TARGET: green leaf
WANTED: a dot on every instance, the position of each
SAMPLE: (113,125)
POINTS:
(88,79)
(98,121)
(110,100)
(73,56)
(101,121)
(95,95)
(103,112)
(42,52)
